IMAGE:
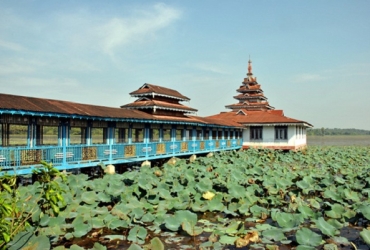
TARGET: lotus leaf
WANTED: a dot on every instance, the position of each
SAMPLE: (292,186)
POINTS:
(27,240)
(156,244)
(303,247)
(330,247)
(137,234)
(341,241)
(365,235)
(134,247)
(216,203)
(97,222)
(275,234)
(306,212)
(148,217)
(191,229)
(325,227)
(258,211)
(173,222)
(204,185)
(84,212)
(306,237)
(331,194)
(118,223)
(76,247)
(228,240)
(351,195)
(339,179)
(365,210)
(236,190)
(98,246)
(263,227)
(80,228)
(336,211)
(314,203)
(335,223)
(44,221)
(287,220)
(121,210)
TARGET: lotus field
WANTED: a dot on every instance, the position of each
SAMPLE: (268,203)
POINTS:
(317,198)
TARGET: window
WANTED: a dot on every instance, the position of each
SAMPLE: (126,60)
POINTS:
(199,134)
(256,133)
(166,134)
(121,135)
(154,134)
(281,132)
(137,134)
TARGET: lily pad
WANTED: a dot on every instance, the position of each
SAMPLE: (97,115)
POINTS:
(306,237)
(137,234)
(326,228)
(365,235)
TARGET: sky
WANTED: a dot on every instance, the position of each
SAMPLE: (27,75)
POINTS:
(312,58)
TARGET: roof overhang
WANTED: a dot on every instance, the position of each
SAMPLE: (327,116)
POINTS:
(152,94)
(305,124)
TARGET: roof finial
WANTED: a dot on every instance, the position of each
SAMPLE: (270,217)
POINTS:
(249,66)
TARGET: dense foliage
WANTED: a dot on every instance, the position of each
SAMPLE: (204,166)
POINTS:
(256,198)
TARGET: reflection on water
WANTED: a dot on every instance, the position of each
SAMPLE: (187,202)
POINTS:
(339,140)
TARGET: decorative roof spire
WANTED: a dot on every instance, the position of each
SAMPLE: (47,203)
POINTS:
(249,67)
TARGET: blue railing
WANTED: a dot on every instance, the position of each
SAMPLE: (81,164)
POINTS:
(21,160)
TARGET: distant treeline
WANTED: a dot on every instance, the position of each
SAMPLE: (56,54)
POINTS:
(337,131)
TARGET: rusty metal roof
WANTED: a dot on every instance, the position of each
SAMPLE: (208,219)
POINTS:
(142,104)
(150,89)
(64,107)
(51,107)
(258,117)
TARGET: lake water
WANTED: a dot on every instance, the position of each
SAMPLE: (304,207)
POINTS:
(339,140)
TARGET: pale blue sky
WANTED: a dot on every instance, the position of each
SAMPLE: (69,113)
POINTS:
(312,58)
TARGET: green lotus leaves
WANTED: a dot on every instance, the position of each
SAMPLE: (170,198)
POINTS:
(274,234)
(236,190)
(184,218)
(137,234)
(228,240)
(306,237)
(365,210)
(89,197)
(325,227)
(306,212)
(336,211)
(216,203)
(292,188)
(365,235)
(27,240)
(204,185)
(80,227)
(97,222)
(332,194)
(288,220)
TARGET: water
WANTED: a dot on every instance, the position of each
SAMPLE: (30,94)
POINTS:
(339,140)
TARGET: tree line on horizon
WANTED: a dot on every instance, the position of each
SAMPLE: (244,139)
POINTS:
(337,131)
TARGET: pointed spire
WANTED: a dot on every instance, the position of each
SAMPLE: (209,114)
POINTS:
(249,67)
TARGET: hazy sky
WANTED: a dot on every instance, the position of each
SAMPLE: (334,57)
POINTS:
(312,58)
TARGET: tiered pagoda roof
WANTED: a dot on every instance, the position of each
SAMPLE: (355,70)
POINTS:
(158,100)
(251,95)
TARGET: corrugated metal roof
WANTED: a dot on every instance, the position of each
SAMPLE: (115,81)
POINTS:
(53,107)
(151,103)
(151,88)
(257,117)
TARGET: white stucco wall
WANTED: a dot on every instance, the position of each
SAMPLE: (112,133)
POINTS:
(293,141)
